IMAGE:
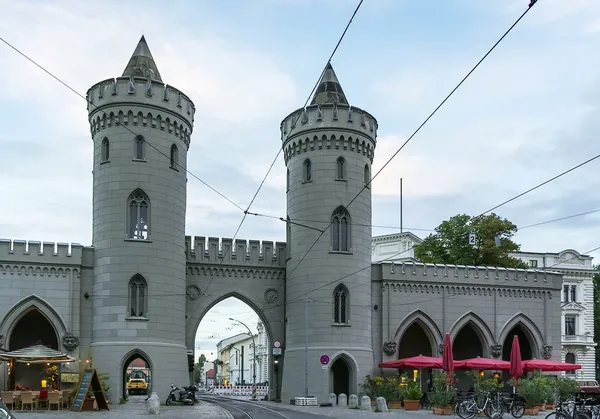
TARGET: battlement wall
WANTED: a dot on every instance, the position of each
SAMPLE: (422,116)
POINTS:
(24,251)
(200,249)
(118,101)
(358,123)
(470,275)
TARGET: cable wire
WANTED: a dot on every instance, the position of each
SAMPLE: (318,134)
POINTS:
(247,210)
(123,126)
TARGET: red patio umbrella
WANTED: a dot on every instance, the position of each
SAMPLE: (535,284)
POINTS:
(482,364)
(547,365)
(419,361)
(448,357)
(516,364)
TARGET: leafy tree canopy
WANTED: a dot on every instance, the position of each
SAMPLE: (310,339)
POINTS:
(201,359)
(450,242)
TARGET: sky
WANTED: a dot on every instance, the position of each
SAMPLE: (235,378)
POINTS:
(529,112)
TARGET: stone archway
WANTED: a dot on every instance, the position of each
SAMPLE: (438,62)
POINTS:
(343,374)
(145,374)
(530,337)
(424,329)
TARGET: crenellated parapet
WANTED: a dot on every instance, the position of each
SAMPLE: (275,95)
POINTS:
(416,272)
(213,250)
(306,129)
(40,252)
(138,101)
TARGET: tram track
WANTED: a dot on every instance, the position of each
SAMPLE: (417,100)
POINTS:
(243,413)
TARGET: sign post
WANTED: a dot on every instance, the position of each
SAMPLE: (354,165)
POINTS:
(276,347)
(325,367)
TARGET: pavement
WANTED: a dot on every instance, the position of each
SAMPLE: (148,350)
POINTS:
(135,408)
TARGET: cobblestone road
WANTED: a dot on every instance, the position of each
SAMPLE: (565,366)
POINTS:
(135,408)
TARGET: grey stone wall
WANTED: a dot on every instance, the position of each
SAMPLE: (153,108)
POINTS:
(443,299)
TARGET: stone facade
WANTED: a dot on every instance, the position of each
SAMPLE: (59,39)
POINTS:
(394,247)
(577,306)
(143,287)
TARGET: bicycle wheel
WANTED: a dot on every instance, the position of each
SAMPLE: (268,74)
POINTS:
(556,415)
(466,409)
(517,410)
(581,415)
(493,409)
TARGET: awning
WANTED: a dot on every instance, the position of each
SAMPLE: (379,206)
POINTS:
(36,354)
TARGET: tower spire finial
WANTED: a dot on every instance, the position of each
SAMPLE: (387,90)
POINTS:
(141,63)
(329,89)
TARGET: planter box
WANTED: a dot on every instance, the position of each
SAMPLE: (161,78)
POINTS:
(396,404)
(442,410)
(411,404)
(531,411)
(89,403)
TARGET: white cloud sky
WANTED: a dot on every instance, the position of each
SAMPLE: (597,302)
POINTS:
(528,112)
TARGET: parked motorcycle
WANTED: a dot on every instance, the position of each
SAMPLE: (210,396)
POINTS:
(184,395)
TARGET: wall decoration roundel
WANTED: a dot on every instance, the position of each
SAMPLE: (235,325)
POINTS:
(192,293)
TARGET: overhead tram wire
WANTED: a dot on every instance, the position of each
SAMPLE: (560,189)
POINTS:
(247,210)
(367,184)
(124,126)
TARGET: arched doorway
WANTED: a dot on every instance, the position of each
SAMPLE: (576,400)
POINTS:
(32,328)
(467,344)
(341,376)
(137,375)
(524,342)
(416,341)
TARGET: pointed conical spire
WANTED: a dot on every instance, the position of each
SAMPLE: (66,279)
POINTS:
(141,63)
(329,89)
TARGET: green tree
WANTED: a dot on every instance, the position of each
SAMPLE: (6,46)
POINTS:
(202,359)
(450,242)
(199,369)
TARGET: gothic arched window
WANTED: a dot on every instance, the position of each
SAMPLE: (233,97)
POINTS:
(367,175)
(340,172)
(105,150)
(138,216)
(307,174)
(174,157)
(287,181)
(340,304)
(340,230)
(138,296)
(139,151)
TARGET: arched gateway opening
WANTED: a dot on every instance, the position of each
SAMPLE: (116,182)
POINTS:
(416,341)
(33,328)
(467,344)
(341,376)
(232,346)
(524,342)
(137,374)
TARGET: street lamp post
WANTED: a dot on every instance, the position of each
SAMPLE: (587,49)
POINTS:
(253,358)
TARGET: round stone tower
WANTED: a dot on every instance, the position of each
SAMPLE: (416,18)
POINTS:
(328,150)
(141,129)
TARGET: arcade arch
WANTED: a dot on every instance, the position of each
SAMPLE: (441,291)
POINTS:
(136,373)
(343,374)
(530,337)
(418,334)
(223,338)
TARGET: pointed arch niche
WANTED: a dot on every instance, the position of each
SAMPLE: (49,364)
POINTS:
(341,234)
(417,334)
(530,337)
(138,216)
(343,374)
(471,337)
(31,321)
(136,364)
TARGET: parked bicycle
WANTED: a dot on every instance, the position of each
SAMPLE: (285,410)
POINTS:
(491,407)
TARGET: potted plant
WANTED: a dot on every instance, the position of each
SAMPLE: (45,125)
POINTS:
(534,391)
(562,388)
(443,393)
(394,390)
(413,396)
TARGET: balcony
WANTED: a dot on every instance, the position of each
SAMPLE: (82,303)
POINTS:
(577,339)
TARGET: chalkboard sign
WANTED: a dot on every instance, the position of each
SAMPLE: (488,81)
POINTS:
(90,378)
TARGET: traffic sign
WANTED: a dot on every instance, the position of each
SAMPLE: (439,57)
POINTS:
(324,359)
(324,367)
(276,343)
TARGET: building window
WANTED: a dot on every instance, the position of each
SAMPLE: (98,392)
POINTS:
(570,359)
(138,296)
(138,220)
(570,321)
(287,181)
(307,175)
(533,263)
(367,175)
(569,293)
(340,172)
(105,151)
(139,148)
(340,305)
(340,230)
(174,157)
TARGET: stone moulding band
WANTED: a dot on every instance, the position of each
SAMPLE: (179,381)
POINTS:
(139,344)
(451,290)
(242,252)
(236,272)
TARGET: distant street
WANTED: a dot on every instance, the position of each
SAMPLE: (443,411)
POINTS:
(248,409)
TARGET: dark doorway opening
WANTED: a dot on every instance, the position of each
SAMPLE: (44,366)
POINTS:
(137,375)
(33,328)
(524,343)
(341,377)
(414,342)
(467,344)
